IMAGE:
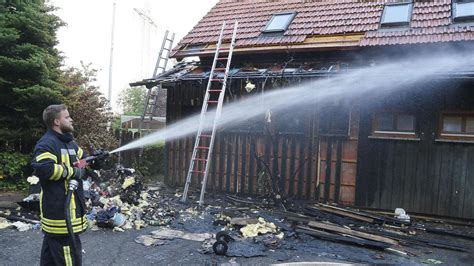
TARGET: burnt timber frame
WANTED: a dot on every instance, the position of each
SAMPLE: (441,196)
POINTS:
(429,175)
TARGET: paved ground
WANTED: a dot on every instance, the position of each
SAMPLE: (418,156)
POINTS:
(105,247)
(118,248)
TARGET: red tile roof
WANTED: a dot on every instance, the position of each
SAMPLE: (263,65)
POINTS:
(430,22)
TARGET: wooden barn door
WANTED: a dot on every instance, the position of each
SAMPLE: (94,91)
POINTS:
(337,163)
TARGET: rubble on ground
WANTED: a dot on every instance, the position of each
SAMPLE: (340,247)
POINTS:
(119,200)
(262,227)
(159,237)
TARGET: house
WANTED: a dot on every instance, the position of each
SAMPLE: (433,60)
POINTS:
(412,149)
(131,123)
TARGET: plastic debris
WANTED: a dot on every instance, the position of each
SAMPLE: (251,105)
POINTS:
(119,219)
(130,180)
(21,226)
(32,197)
(33,180)
(159,237)
(166,233)
(280,235)
(139,224)
(431,261)
(4,223)
(401,215)
(148,241)
(118,229)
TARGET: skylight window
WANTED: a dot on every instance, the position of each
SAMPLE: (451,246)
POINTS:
(279,22)
(463,10)
(396,15)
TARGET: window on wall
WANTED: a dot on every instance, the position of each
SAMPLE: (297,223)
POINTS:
(457,125)
(396,14)
(393,124)
(279,22)
(335,120)
(463,10)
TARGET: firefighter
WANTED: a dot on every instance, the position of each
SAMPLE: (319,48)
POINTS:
(53,159)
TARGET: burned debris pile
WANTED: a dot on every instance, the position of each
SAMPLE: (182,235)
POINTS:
(395,233)
(367,229)
(237,226)
(119,199)
(115,198)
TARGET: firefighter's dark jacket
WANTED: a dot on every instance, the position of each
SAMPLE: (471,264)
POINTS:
(52,162)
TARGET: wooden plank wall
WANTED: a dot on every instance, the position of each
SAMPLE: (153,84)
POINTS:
(343,169)
(424,176)
(243,161)
(432,180)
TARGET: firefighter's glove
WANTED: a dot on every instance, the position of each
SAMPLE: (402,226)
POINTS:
(79,173)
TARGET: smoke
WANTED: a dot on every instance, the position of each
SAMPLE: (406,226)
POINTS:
(378,79)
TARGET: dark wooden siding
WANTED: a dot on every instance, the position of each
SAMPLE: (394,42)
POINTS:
(244,163)
(254,159)
(424,176)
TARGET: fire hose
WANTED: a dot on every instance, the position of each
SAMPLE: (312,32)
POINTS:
(72,186)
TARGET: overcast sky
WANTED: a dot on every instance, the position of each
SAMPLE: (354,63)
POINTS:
(87,36)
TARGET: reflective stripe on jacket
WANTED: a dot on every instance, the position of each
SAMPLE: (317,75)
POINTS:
(52,162)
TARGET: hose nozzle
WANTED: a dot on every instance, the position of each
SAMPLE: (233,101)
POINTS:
(73,184)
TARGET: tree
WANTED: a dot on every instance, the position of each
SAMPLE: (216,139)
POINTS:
(131,100)
(29,68)
(89,109)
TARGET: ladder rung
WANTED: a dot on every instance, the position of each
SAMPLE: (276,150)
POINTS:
(215,90)
(212,101)
(222,58)
(219,68)
(202,147)
(197,171)
(205,136)
(200,159)
(217,79)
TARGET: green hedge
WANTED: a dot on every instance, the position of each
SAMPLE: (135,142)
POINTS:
(14,169)
(151,164)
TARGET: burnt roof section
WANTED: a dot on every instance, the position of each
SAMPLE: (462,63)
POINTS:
(187,71)
(321,24)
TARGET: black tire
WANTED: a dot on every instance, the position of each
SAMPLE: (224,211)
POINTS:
(220,247)
(223,236)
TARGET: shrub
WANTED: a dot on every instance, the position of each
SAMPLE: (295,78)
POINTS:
(14,168)
(151,163)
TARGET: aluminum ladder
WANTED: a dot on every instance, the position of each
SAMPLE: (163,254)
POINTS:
(215,96)
(162,61)
(151,98)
